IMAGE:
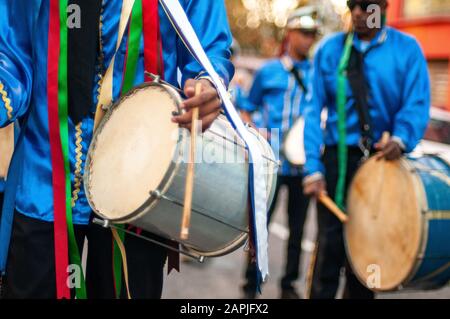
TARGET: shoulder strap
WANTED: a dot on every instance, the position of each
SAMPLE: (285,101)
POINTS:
(360,89)
(106,89)
(289,66)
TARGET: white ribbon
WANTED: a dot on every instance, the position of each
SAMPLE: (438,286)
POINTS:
(181,23)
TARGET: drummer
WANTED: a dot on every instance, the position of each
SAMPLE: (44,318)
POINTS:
(30,71)
(280,90)
(385,87)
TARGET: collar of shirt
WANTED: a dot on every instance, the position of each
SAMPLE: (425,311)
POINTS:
(379,39)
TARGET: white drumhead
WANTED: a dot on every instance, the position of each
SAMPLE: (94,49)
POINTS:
(384,231)
(293,147)
(132,152)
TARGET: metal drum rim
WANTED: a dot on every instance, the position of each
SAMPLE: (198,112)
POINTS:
(168,177)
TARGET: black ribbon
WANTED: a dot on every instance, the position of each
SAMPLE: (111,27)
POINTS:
(360,88)
(83,44)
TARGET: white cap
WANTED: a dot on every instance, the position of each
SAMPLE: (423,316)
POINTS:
(304,18)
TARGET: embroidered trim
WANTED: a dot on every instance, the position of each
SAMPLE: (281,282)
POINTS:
(101,56)
(78,163)
(7,101)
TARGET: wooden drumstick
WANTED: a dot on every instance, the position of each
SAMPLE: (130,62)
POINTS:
(385,138)
(186,221)
(328,202)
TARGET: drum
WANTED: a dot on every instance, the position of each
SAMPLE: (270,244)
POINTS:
(398,232)
(6,148)
(136,171)
(293,148)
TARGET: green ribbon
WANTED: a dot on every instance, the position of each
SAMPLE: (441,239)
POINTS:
(132,58)
(64,135)
(341,102)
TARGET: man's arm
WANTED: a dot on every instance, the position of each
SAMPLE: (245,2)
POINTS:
(209,20)
(313,135)
(15,59)
(411,121)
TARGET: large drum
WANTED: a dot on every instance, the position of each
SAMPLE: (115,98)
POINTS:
(136,171)
(293,147)
(6,148)
(398,234)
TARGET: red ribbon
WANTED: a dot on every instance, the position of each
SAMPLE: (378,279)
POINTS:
(58,174)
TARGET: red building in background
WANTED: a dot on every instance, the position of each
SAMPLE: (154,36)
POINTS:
(429,22)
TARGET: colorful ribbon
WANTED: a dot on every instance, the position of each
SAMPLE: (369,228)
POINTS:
(64,234)
(341,102)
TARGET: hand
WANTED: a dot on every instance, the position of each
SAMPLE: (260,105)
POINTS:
(390,151)
(207,101)
(315,188)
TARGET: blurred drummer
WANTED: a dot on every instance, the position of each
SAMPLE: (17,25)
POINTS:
(280,90)
(371,80)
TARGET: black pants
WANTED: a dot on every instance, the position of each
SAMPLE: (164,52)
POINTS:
(297,208)
(331,256)
(30,271)
(145,266)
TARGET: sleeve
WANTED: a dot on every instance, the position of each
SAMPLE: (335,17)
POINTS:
(313,134)
(412,119)
(255,95)
(210,22)
(15,59)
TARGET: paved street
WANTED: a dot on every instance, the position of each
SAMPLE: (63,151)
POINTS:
(222,277)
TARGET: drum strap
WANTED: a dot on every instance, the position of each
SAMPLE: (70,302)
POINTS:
(360,89)
(106,89)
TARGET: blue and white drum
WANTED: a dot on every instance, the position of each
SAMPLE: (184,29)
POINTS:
(398,234)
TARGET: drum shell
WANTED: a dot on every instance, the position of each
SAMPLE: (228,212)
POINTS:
(429,267)
(219,220)
(432,269)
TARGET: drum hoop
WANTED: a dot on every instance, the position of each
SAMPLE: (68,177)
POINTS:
(225,250)
(423,207)
(173,167)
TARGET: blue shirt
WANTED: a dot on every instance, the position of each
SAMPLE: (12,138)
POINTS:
(276,94)
(23,70)
(399,93)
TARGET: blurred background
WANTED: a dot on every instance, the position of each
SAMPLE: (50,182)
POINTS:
(258,25)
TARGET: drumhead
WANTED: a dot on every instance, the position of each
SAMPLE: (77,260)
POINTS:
(132,151)
(385,228)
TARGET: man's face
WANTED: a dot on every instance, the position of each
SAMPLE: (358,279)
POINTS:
(302,41)
(361,12)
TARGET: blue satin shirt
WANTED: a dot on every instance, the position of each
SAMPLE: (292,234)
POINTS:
(23,72)
(399,93)
(280,100)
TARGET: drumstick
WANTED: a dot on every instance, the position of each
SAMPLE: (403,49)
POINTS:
(328,202)
(185,224)
(385,138)
(383,141)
